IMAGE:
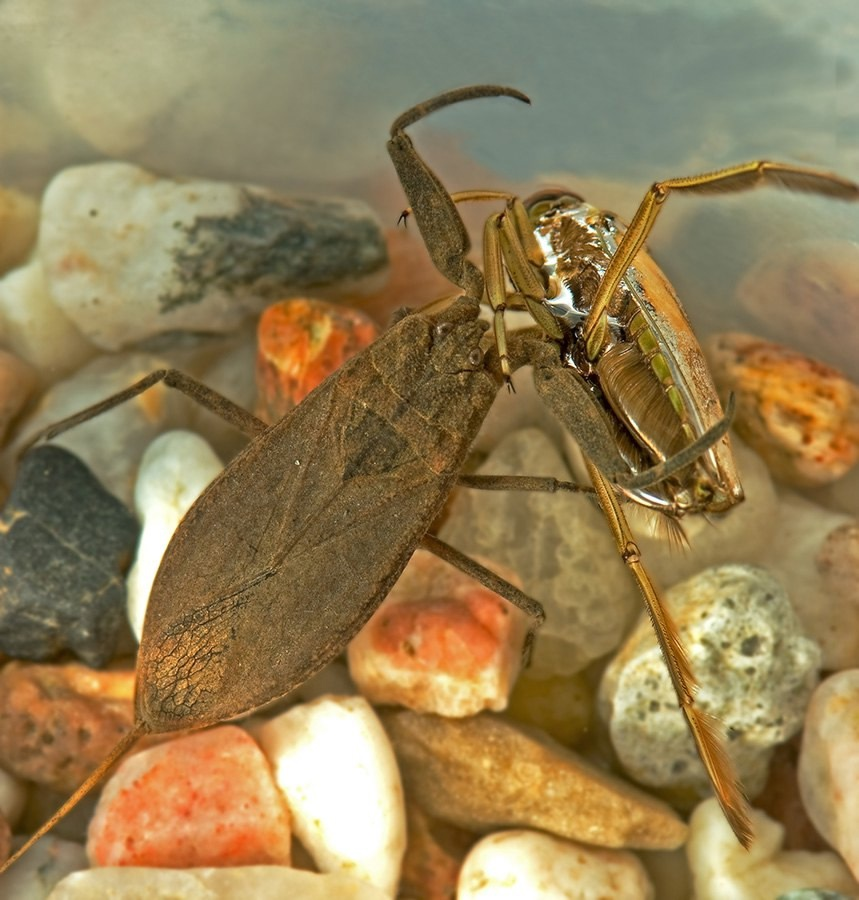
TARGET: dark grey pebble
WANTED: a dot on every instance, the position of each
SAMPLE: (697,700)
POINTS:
(65,543)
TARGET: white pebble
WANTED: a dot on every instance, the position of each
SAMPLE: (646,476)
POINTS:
(723,870)
(259,882)
(511,865)
(829,764)
(335,765)
(174,470)
(35,328)
(828,608)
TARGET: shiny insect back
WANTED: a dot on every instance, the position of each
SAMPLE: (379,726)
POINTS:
(650,371)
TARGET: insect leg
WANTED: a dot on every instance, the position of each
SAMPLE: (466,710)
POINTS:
(734,178)
(703,727)
(196,390)
(545,484)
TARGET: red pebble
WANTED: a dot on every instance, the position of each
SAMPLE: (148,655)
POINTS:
(207,799)
(299,344)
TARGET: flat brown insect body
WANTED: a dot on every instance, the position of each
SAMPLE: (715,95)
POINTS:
(365,461)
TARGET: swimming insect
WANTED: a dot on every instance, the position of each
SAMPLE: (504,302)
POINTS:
(619,366)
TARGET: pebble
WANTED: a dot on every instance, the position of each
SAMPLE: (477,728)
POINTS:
(514,864)
(815,552)
(13,796)
(65,544)
(335,766)
(19,223)
(828,772)
(483,773)
(204,799)
(174,471)
(440,642)
(35,329)
(113,442)
(560,705)
(58,722)
(723,870)
(270,882)
(800,415)
(755,666)
(301,342)
(48,862)
(816,281)
(128,255)
(434,854)
(559,546)
(18,381)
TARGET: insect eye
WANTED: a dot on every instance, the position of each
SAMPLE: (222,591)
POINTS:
(443,329)
(475,358)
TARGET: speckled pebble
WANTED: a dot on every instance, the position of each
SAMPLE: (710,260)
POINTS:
(511,865)
(800,415)
(484,773)
(829,763)
(34,875)
(334,764)
(440,642)
(559,546)
(57,723)
(128,255)
(723,870)
(755,666)
(208,798)
(301,342)
(65,545)
(174,470)
(258,882)
(815,553)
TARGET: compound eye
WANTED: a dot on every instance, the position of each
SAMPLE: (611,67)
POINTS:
(443,329)
(475,358)
(550,199)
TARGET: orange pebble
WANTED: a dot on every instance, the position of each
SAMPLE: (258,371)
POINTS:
(299,344)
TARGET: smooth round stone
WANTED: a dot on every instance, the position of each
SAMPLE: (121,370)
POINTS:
(128,255)
(35,328)
(48,862)
(740,535)
(300,343)
(800,415)
(207,798)
(815,553)
(829,763)
(112,443)
(816,280)
(65,544)
(559,546)
(335,766)
(19,223)
(723,870)
(259,882)
(174,471)
(483,773)
(755,666)
(58,722)
(440,642)
(511,865)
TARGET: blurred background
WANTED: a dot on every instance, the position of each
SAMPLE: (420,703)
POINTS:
(298,96)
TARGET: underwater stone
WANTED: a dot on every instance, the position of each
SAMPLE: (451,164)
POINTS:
(128,255)
(64,545)
(756,670)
